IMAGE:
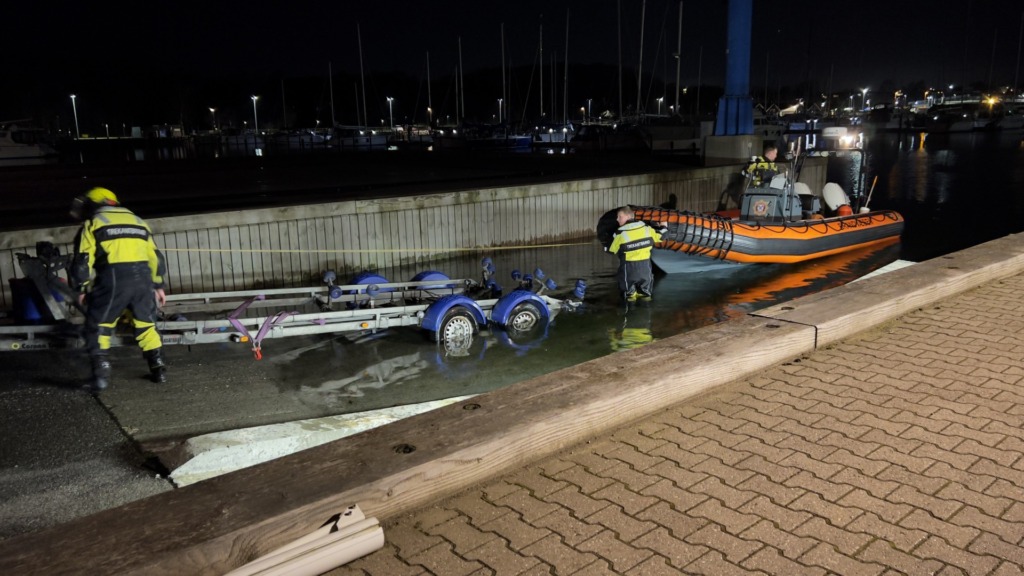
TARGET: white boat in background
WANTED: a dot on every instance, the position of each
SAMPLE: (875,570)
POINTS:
(19,141)
(358,138)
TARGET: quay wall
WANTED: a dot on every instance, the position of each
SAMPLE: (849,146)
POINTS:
(291,246)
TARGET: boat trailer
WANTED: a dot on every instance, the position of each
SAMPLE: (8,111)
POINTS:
(449,311)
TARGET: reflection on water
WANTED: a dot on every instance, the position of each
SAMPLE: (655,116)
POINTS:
(954,190)
(400,366)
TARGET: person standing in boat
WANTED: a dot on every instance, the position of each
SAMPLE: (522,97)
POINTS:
(763,168)
(632,243)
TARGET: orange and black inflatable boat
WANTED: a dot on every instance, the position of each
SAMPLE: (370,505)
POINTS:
(717,237)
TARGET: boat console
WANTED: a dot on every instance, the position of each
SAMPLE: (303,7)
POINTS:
(779,201)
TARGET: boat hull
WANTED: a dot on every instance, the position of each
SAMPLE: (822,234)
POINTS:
(717,238)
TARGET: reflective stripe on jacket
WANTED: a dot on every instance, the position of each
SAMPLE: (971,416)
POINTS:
(633,241)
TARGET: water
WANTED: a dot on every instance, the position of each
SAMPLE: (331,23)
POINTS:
(954,190)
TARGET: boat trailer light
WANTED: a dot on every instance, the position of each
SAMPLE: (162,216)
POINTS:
(364,325)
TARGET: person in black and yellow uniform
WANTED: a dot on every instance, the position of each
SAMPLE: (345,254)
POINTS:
(632,243)
(763,168)
(116,268)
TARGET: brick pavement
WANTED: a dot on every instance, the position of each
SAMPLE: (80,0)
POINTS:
(898,451)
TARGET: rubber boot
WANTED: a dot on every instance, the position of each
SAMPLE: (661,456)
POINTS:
(157,367)
(100,374)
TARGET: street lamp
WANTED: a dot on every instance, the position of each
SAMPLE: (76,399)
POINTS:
(75,110)
(255,121)
(213,115)
(499,110)
(659,105)
(107,128)
(589,100)
(391,115)
(430,116)
(864,98)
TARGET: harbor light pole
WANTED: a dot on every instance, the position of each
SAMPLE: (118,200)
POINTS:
(391,115)
(659,105)
(213,115)
(255,121)
(75,110)
(864,98)
(499,110)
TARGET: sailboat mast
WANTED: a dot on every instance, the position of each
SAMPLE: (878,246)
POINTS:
(679,53)
(430,105)
(502,100)
(618,8)
(541,58)
(565,73)
(362,78)
(462,93)
(330,84)
(640,66)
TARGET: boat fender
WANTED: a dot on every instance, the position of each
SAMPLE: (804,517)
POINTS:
(432,317)
(844,210)
(504,306)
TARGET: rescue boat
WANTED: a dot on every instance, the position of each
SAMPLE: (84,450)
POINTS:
(779,223)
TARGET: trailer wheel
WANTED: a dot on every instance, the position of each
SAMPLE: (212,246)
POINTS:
(457,327)
(523,318)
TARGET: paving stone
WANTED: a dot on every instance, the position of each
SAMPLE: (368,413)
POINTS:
(563,558)
(678,552)
(570,529)
(880,552)
(714,564)
(586,481)
(774,491)
(625,526)
(770,561)
(828,557)
(515,531)
(939,549)
(904,539)
(790,545)
(969,516)
(441,559)
(462,535)
(497,556)
(619,555)
(678,523)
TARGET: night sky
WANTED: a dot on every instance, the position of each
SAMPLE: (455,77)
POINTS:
(168,62)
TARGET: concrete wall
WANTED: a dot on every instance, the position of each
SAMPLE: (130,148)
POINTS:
(290,246)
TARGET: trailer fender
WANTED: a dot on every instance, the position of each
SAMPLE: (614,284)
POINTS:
(436,312)
(520,309)
(431,275)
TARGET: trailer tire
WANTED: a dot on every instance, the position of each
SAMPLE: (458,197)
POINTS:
(457,326)
(523,318)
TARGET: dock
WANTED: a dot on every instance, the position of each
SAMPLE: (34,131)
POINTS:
(873,427)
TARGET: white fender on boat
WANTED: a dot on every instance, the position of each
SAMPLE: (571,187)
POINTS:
(834,196)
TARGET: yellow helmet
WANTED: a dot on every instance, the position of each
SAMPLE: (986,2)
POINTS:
(102,196)
(85,206)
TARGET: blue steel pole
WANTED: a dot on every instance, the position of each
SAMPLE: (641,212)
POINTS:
(735,108)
